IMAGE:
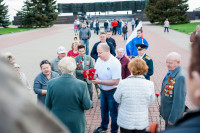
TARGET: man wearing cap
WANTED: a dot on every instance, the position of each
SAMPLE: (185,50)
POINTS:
(137,40)
(110,39)
(84,36)
(61,52)
(142,54)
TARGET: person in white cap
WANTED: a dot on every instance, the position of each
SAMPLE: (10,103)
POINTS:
(61,51)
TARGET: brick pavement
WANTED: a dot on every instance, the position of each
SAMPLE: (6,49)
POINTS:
(31,47)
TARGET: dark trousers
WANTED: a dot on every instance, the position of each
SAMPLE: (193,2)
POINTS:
(122,130)
(167,29)
(114,30)
(109,106)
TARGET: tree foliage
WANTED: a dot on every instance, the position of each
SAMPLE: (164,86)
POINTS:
(175,10)
(4,18)
(38,13)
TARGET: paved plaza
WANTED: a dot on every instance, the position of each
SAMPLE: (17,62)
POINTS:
(30,47)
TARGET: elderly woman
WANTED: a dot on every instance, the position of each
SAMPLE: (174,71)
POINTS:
(124,62)
(22,76)
(42,79)
(68,97)
(74,52)
(135,94)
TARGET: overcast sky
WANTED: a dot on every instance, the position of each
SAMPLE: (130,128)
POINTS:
(15,5)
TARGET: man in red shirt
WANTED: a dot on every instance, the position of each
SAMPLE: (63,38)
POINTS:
(114,25)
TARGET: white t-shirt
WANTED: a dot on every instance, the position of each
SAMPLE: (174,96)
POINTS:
(108,70)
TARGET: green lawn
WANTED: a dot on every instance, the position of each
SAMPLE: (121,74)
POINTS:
(13,30)
(186,28)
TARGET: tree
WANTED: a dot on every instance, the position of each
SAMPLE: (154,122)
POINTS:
(175,10)
(38,13)
(4,18)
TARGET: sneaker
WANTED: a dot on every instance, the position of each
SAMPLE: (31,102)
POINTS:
(100,130)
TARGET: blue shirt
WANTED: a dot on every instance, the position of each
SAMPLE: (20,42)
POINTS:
(135,41)
(40,83)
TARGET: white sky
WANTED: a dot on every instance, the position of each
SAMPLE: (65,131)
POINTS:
(15,5)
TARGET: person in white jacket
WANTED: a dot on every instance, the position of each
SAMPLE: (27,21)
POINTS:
(134,94)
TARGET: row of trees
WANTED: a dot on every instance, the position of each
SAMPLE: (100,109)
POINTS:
(34,13)
(43,13)
(38,13)
(4,18)
(175,10)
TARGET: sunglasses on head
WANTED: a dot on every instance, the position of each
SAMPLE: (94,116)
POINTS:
(45,62)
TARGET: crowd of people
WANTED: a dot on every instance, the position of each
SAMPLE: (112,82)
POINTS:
(124,82)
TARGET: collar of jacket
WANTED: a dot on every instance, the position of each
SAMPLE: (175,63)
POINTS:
(67,75)
(58,59)
(137,76)
(174,72)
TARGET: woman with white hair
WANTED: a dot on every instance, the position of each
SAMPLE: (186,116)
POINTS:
(68,97)
(124,62)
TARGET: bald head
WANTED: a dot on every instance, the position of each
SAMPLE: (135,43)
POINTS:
(173,61)
(104,46)
(103,51)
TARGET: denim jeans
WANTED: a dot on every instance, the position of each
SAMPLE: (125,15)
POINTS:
(106,28)
(86,44)
(133,27)
(120,31)
(76,31)
(108,104)
(125,36)
(167,29)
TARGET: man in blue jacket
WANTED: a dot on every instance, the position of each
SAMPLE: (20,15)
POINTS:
(173,91)
(137,40)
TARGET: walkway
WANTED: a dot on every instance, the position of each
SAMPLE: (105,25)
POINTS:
(31,47)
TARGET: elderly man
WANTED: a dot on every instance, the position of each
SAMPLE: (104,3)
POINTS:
(61,52)
(108,71)
(84,62)
(84,36)
(173,91)
(142,54)
(94,53)
(110,39)
(197,32)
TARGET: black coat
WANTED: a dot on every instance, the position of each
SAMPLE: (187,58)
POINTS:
(190,123)
(94,53)
(111,40)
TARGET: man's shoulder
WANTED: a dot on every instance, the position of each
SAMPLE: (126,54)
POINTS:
(147,58)
(55,60)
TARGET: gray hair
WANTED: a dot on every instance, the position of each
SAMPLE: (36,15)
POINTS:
(104,46)
(174,55)
(67,65)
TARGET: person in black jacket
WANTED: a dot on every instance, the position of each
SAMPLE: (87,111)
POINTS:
(94,53)
(110,39)
(106,25)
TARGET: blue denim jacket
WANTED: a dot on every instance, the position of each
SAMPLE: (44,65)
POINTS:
(40,83)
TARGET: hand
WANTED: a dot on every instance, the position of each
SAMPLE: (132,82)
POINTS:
(96,81)
(81,72)
(170,123)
